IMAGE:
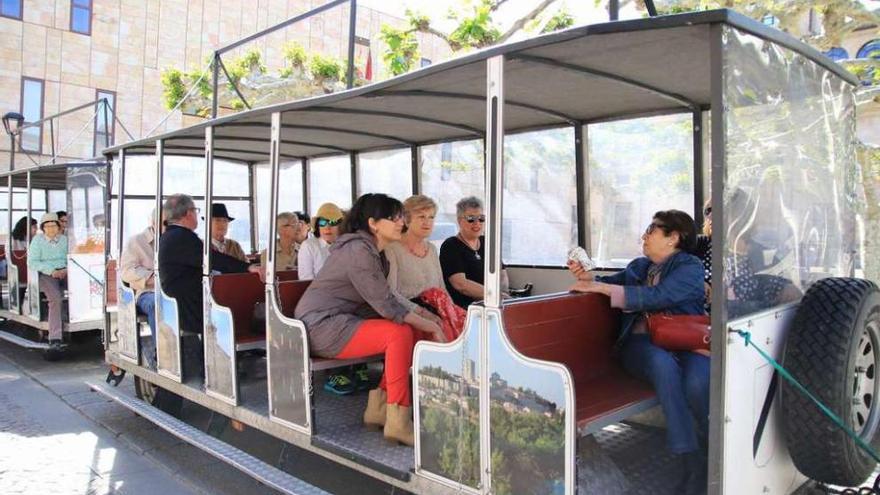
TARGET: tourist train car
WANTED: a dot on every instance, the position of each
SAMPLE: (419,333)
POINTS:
(571,138)
(78,188)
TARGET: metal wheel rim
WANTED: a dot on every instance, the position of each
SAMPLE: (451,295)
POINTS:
(865,384)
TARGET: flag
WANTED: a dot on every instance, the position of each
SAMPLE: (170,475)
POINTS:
(368,71)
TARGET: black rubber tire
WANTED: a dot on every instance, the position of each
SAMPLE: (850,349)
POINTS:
(821,353)
(158,397)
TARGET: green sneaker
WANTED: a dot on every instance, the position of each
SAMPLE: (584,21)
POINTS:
(339,385)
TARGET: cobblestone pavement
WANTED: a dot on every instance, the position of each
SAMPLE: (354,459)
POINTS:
(48,447)
(59,437)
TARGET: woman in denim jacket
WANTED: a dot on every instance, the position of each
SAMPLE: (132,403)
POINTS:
(668,280)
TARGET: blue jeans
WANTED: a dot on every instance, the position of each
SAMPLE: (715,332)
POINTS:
(681,380)
(146,304)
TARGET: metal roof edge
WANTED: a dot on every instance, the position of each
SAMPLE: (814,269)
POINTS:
(725,16)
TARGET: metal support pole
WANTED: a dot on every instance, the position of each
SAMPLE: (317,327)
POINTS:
(52,138)
(494,177)
(354,177)
(699,199)
(9,222)
(414,154)
(581,188)
(209,193)
(307,203)
(215,75)
(613,10)
(106,123)
(253,211)
(717,404)
(121,208)
(160,167)
(11,159)
(274,173)
(352,29)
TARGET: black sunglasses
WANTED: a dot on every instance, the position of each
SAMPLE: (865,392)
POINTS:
(654,226)
(323,222)
(475,218)
(707,211)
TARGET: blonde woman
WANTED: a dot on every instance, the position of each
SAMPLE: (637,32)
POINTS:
(414,272)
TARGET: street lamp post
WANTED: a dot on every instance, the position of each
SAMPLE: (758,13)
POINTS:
(12,122)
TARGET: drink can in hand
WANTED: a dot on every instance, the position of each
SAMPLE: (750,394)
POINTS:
(579,255)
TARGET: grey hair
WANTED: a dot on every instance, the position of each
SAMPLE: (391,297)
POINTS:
(286,216)
(468,203)
(176,207)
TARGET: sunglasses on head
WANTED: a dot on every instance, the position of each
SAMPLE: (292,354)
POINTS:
(475,218)
(323,222)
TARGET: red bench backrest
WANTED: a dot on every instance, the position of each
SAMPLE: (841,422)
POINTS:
(110,282)
(577,330)
(289,294)
(239,292)
(286,275)
(19,259)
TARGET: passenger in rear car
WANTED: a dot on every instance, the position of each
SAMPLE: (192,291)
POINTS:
(48,255)
(350,311)
(136,270)
(414,273)
(667,279)
(313,252)
(286,248)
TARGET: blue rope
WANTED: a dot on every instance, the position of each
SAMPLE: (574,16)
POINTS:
(828,412)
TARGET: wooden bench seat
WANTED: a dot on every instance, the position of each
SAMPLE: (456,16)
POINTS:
(240,292)
(579,331)
(289,294)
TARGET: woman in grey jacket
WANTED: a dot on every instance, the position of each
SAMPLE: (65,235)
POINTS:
(350,311)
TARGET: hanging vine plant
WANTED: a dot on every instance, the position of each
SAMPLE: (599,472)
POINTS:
(303,75)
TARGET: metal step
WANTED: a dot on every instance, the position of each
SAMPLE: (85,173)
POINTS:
(21,341)
(250,465)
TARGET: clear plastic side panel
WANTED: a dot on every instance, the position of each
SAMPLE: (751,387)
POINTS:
(168,337)
(33,295)
(85,286)
(12,278)
(126,327)
(531,422)
(447,400)
(789,192)
(220,375)
(287,352)
(85,235)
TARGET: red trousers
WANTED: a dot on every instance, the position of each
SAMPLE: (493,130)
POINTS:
(396,342)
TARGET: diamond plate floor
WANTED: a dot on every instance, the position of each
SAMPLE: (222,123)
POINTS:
(339,423)
(640,453)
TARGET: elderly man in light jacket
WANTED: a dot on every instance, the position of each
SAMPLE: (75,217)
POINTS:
(137,271)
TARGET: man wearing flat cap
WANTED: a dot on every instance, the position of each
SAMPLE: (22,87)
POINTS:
(219,228)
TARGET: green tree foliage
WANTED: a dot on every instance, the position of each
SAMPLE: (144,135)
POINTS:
(475,29)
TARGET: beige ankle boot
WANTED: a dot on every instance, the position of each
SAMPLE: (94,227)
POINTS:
(374,414)
(399,425)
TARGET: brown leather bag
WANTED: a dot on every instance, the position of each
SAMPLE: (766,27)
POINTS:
(680,332)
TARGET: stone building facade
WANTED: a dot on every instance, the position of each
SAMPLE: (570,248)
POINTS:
(122,49)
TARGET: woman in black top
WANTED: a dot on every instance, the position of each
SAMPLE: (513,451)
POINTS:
(461,256)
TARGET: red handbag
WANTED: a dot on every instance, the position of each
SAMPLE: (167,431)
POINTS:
(680,332)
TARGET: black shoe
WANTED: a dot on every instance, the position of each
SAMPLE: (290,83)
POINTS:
(362,378)
(694,477)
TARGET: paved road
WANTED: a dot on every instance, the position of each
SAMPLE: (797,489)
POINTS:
(58,437)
